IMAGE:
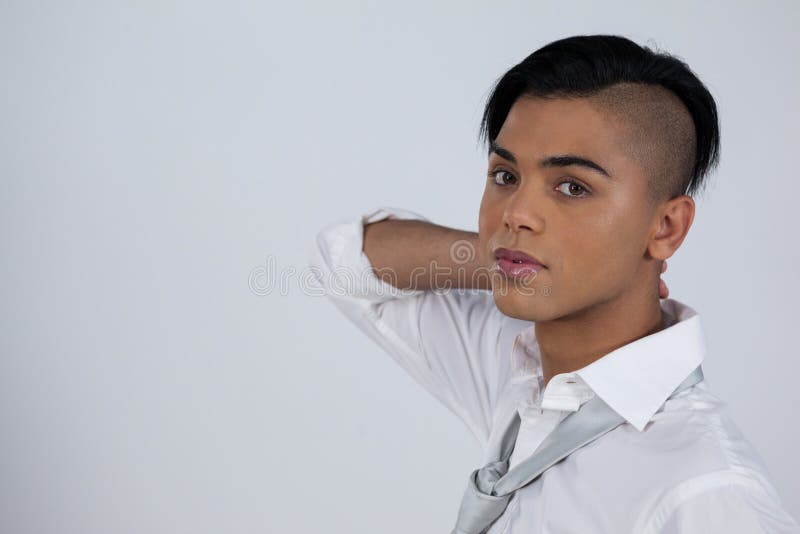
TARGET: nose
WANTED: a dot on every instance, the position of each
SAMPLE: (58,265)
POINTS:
(522,213)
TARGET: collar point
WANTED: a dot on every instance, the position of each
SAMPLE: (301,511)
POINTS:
(639,424)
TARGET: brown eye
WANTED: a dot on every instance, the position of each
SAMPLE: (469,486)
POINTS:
(504,176)
(574,189)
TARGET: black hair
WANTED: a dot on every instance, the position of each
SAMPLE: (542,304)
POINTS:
(583,65)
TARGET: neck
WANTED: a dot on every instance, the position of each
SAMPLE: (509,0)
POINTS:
(571,342)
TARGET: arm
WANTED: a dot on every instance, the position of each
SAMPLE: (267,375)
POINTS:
(454,343)
(418,254)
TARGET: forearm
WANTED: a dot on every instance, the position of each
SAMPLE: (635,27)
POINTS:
(421,255)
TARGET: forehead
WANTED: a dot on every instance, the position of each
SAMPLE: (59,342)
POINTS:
(537,127)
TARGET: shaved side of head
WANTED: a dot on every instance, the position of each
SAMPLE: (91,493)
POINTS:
(659,134)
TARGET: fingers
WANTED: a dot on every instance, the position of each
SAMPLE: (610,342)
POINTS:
(663,290)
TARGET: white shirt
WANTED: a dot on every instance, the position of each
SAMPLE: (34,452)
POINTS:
(680,466)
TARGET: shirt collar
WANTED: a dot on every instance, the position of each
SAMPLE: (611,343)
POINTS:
(634,380)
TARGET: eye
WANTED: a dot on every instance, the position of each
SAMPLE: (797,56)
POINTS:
(574,187)
(493,175)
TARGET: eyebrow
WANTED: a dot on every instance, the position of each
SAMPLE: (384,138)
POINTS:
(561,160)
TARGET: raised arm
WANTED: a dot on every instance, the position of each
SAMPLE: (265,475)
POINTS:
(418,254)
(455,343)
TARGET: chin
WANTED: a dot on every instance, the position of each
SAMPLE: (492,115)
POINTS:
(525,303)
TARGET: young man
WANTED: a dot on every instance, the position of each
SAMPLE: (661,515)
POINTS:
(596,146)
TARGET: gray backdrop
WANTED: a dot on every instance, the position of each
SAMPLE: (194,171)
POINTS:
(159,159)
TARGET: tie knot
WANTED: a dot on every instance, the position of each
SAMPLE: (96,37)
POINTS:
(479,508)
(487,476)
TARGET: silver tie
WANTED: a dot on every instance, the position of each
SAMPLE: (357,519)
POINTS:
(490,488)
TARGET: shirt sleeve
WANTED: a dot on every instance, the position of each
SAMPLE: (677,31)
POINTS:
(447,340)
(731,509)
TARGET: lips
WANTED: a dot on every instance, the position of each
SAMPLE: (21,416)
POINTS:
(516,264)
(516,256)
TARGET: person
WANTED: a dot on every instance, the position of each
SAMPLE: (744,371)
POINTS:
(596,148)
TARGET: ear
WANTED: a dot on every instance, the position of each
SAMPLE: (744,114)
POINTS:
(674,220)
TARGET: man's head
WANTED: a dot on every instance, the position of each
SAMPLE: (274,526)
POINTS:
(646,130)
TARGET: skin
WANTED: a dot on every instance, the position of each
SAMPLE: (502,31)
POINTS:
(602,243)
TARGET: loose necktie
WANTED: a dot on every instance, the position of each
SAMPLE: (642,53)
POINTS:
(490,488)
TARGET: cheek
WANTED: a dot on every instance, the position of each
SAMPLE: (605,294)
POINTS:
(488,217)
(597,249)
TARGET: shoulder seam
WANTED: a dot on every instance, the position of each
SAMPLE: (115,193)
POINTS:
(654,521)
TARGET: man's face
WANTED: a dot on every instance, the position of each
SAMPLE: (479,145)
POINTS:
(590,231)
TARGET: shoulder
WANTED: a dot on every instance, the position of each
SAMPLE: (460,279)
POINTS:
(706,468)
(693,435)
(691,449)
(696,428)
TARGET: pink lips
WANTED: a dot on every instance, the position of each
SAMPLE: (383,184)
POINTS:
(515,263)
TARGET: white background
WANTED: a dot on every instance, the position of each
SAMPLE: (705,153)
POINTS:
(155,154)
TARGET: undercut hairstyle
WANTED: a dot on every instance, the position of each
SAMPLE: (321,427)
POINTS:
(668,116)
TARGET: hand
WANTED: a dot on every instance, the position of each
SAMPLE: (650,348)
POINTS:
(663,290)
